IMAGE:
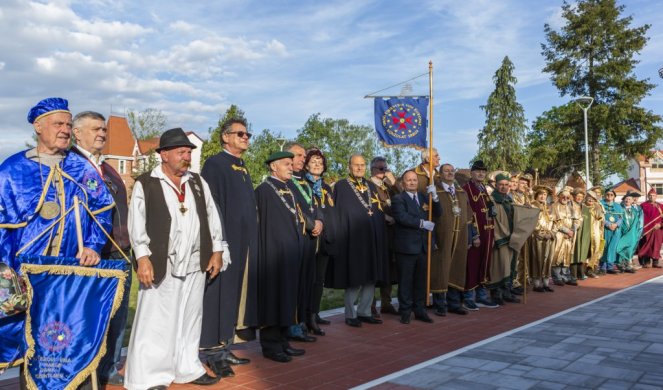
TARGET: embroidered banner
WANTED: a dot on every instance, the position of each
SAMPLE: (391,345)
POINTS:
(402,121)
(67,319)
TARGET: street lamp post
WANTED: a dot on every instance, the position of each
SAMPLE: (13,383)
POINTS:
(585,102)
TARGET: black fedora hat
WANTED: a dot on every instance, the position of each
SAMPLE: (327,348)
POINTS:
(478,165)
(174,138)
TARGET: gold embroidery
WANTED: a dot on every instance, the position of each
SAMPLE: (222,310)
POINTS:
(238,168)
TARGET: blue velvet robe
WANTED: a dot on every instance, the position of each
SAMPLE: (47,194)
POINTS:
(613,214)
(23,190)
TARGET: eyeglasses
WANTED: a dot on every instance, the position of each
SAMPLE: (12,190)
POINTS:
(381,169)
(241,134)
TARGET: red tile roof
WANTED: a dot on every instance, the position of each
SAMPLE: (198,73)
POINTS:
(119,139)
(147,145)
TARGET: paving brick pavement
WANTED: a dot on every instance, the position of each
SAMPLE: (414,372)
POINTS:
(349,357)
(612,343)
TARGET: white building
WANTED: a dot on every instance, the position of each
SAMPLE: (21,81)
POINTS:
(648,172)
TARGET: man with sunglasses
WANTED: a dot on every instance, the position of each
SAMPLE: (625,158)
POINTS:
(90,135)
(225,314)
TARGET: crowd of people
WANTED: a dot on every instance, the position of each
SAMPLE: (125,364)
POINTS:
(218,260)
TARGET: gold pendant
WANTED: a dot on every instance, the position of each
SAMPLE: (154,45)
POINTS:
(49,210)
(370,212)
(183,209)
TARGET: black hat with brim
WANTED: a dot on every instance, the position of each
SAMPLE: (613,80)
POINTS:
(174,138)
(478,165)
(278,156)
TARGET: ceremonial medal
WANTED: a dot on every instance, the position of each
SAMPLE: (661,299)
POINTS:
(183,209)
(611,219)
(49,210)
(361,188)
(456,210)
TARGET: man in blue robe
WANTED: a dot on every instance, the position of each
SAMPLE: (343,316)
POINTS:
(37,189)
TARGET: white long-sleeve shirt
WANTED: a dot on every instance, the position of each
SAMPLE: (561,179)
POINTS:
(184,238)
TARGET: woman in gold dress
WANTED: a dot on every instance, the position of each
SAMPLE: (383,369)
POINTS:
(541,243)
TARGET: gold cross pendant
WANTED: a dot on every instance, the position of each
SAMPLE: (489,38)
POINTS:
(370,212)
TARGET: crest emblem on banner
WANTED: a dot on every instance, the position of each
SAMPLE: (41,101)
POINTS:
(402,120)
(55,336)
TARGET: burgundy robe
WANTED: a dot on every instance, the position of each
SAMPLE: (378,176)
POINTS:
(650,243)
(478,258)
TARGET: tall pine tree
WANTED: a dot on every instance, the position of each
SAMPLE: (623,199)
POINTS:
(501,141)
(593,54)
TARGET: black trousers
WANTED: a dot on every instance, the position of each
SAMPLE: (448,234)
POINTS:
(273,339)
(307,276)
(411,283)
(321,260)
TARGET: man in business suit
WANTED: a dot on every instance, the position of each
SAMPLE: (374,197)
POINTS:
(409,209)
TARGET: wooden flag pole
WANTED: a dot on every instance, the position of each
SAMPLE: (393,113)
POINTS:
(431,174)
(79,238)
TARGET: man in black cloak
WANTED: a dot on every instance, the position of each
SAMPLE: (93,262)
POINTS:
(362,243)
(314,224)
(230,301)
(281,243)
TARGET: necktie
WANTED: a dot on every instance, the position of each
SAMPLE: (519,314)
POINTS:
(416,199)
(452,190)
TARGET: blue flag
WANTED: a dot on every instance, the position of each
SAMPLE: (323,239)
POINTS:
(67,319)
(402,121)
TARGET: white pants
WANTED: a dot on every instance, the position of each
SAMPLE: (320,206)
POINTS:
(166,333)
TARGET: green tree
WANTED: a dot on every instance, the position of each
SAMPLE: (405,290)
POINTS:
(262,145)
(146,124)
(338,139)
(212,145)
(593,55)
(502,138)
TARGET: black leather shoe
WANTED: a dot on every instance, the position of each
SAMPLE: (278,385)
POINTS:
(517,291)
(539,289)
(511,299)
(424,317)
(160,387)
(629,270)
(548,289)
(353,322)
(369,320)
(321,321)
(205,380)
(290,351)
(317,331)
(303,338)
(440,312)
(222,369)
(405,318)
(571,282)
(232,359)
(280,357)
(458,310)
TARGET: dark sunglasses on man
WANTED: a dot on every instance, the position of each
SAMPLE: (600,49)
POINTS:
(241,134)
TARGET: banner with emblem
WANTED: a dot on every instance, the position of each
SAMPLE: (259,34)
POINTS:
(67,318)
(402,121)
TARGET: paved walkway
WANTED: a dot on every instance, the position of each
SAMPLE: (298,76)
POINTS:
(614,342)
(349,357)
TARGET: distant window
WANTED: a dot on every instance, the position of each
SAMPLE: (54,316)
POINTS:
(122,168)
(657,166)
(658,188)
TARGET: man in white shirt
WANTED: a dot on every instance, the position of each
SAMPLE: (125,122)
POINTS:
(176,234)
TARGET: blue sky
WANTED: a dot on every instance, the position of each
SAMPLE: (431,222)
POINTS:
(282,61)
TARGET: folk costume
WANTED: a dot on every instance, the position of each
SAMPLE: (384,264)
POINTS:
(522,199)
(230,304)
(597,241)
(582,237)
(614,214)
(326,244)
(454,231)
(652,235)
(478,258)
(385,192)
(36,191)
(541,245)
(281,244)
(361,245)
(631,232)
(311,210)
(179,229)
(503,262)
(564,220)
(111,362)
